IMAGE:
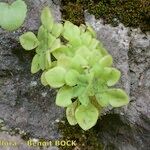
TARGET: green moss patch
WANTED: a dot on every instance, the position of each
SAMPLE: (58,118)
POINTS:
(132,13)
(85,140)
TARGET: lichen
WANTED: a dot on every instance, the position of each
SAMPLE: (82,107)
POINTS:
(132,13)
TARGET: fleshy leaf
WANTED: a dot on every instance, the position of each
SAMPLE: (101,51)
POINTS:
(86,38)
(57,29)
(47,19)
(55,77)
(113,76)
(50,40)
(101,48)
(63,50)
(93,44)
(64,96)
(106,61)
(84,52)
(72,33)
(97,70)
(78,62)
(96,55)
(70,113)
(29,41)
(64,61)
(102,99)
(90,29)
(42,47)
(86,116)
(48,62)
(12,16)
(56,44)
(43,80)
(42,33)
(84,99)
(71,77)
(78,90)
(117,97)
(42,61)
(82,28)
(35,67)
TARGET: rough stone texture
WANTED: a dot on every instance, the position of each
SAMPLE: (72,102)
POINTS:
(24,102)
(116,41)
(131,51)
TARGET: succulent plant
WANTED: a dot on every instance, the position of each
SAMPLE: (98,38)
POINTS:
(81,69)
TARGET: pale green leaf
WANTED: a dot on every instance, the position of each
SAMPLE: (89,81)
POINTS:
(50,40)
(72,33)
(55,45)
(64,96)
(101,48)
(57,29)
(12,16)
(48,62)
(93,44)
(98,71)
(117,97)
(82,28)
(62,50)
(78,90)
(102,99)
(84,99)
(70,113)
(106,61)
(64,61)
(42,60)
(112,75)
(55,77)
(42,47)
(35,67)
(43,80)
(79,63)
(71,77)
(42,34)
(90,29)
(84,52)
(86,38)
(94,57)
(29,41)
(47,19)
(86,116)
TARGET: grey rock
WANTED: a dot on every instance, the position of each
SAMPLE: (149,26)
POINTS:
(130,49)
(24,102)
(116,41)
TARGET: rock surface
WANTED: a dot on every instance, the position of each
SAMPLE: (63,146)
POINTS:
(131,51)
(24,102)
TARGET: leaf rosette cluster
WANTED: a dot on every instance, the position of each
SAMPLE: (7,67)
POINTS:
(81,69)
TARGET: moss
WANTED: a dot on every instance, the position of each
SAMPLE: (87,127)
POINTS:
(133,13)
(74,13)
(108,129)
(86,140)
